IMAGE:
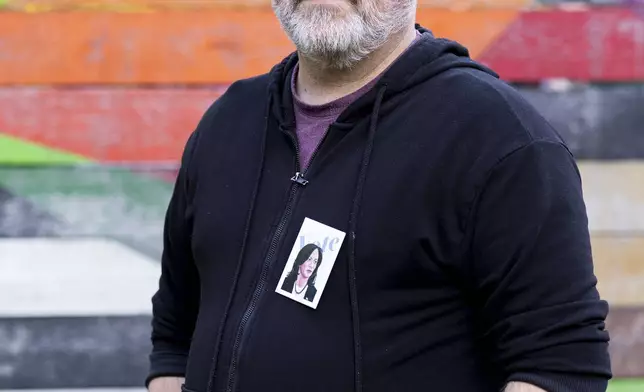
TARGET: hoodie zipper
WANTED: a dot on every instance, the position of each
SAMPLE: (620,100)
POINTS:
(298,182)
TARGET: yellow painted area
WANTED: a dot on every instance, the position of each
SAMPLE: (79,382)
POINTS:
(14,151)
(626,385)
(614,195)
(619,266)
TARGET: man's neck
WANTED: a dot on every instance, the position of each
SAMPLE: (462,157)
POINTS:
(317,85)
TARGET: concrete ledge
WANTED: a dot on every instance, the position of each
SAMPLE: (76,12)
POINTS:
(79,352)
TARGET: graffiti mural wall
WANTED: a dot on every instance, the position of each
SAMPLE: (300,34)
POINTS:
(97,99)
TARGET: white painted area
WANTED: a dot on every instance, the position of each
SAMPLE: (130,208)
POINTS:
(74,277)
(614,195)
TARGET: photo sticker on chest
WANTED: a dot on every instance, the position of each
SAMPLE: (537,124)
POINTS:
(310,263)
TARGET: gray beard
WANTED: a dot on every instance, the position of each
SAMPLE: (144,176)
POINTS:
(335,41)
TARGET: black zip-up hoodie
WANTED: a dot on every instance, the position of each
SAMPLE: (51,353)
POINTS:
(466,263)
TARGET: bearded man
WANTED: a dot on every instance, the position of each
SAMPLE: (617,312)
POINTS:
(450,215)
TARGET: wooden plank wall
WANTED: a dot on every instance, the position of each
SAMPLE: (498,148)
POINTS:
(154,5)
(169,47)
(129,86)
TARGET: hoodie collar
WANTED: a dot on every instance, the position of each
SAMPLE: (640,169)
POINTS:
(427,58)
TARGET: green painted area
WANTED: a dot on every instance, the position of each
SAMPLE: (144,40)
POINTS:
(96,201)
(93,181)
(17,151)
(116,203)
(626,385)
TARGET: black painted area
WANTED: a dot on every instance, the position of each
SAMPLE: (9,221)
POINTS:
(20,218)
(74,352)
(598,122)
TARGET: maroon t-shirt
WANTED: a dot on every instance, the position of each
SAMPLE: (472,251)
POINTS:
(312,121)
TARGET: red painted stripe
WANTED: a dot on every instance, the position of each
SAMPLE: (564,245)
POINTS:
(110,125)
(601,44)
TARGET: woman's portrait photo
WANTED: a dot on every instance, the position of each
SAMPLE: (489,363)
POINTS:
(305,275)
(300,281)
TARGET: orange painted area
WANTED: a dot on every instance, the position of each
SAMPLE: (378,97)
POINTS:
(125,5)
(109,125)
(183,47)
(120,48)
(474,29)
(153,5)
(461,5)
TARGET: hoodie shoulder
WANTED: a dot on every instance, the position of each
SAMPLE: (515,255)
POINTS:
(239,99)
(243,101)
(242,93)
(249,91)
(481,120)
(472,100)
(498,107)
(255,85)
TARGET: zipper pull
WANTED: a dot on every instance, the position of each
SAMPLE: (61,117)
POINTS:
(299,178)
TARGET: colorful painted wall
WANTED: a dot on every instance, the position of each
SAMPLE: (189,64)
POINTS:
(77,82)
(98,97)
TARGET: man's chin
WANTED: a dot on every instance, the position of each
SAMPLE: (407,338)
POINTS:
(331,62)
(335,8)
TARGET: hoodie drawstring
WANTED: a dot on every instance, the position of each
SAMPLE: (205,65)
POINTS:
(242,252)
(353,223)
(353,220)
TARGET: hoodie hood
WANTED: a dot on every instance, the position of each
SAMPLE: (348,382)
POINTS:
(427,58)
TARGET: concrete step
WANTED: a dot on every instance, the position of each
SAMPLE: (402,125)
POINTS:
(74,313)
(74,352)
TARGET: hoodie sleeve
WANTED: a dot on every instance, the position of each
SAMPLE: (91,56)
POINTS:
(539,311)
(175,304)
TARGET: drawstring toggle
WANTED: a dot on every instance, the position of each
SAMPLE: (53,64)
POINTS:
(299,178)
